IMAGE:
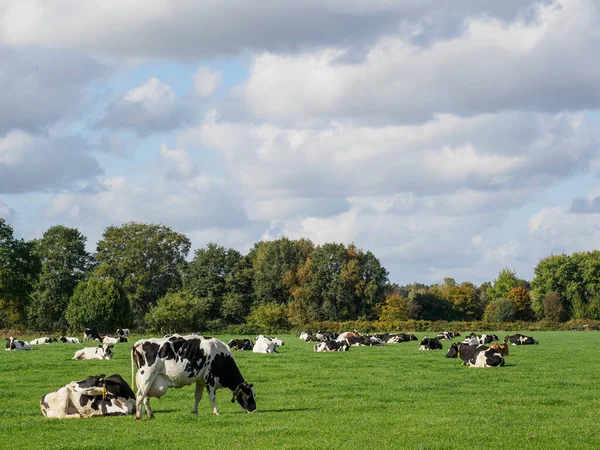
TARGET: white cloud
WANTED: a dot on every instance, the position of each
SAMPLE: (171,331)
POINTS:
(181,164)
(205,82)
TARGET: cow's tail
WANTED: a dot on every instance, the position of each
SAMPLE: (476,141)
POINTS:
(133,386)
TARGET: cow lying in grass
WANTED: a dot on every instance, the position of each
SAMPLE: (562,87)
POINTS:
(520,339)
(16,344)
(430,344)
(480,356)
(332,346)
(101,352)
(95,396)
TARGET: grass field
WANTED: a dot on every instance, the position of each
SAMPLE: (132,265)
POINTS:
(368,398)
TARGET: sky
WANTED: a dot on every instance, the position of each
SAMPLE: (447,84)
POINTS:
(451,139)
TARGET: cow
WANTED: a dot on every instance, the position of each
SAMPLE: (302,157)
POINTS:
(374,340)
(101,352)
(482,338)
(331,346)
(69,340)
(480,356)
(113,340)
(91,333)
(278,341)
(306,336)
(501,348)
(520,339)
(322,336)
(430,344)
(182,360)
(447,335)
(241,344)
(124,332)
(356,341)
(347,334)
(396,338)
(16,344)
(264,345)
(95,396)
(43,340)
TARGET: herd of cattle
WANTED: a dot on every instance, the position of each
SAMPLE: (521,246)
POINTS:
(176,361)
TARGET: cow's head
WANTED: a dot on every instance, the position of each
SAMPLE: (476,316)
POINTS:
(452,351)
(244,394)
(10,343)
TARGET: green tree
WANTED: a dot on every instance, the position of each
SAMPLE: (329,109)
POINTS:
(507,280)
(269,317)
(19,269)
(395,307)
(100,303)
(553,307)
(64,264)
(178,312)
(146,259)
(522,302)
(499,310)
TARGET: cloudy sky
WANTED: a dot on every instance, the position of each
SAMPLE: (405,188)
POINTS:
(449,138)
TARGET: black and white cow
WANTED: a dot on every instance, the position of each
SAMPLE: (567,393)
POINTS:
(264,344)
(101,352)
(241,344)
(95,396)
(92,333)
(447,335)
(322,336)
(114,340)
(430,344)
(396,338)
(43,340)
(482,339)
(16,344)
(69,340)
(124,332)
(356,341)
(182,360)
(520,339)
(306,336)
(480,356)
(331,346)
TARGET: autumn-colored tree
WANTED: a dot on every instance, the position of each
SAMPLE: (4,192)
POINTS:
(395,307)
(522,301)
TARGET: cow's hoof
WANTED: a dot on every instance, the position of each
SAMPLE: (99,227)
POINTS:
(194,412)
(138,419)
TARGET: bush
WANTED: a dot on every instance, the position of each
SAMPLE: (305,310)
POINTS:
(269,318)
(553,308)
(178,312)
(499,310)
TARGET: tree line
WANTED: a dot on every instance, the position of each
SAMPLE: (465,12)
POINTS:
(139,277)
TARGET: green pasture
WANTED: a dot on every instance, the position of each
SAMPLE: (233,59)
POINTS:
(389,397)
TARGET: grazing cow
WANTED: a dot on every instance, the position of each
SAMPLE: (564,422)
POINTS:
(101,352)
(16,344)
(306,336)
(91,333)
(323,336)
(43,340)
(179,361)
(124,332)
(241,344)
(113,340)
(331,346)
(501,348)
(520,339)
(480,356)
(69,340)
(264,345)
(95,396)
(430,344)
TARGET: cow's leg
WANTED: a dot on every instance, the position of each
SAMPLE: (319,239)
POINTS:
(198,396)
(149,412)
(212,394)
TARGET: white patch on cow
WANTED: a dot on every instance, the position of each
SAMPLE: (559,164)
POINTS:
(304,336)
(110,340)
(264,345)
(101,352)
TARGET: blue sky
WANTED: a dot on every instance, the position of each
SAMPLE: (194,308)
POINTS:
(452,141)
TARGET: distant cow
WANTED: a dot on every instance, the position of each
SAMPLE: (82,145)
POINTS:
(124,332)
(180,361)
(520,339)
(43,340)
(241,344)
(69,340)
(347,334)
(501,348)
(396,338)
(264,345)
(481,338)
(447,335)
(95,396)
(306,336)
(331,346)
(278,341)
(16,344)
(480,356)
(101,352)
(91,333)
(356,341)
(323,336)
(430,344)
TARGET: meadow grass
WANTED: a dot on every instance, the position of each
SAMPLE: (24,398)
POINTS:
(389,397)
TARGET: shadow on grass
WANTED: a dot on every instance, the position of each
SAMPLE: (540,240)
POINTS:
(283,410)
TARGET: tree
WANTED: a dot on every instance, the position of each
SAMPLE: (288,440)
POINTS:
(145,259)
(19,269)
(395,307)
(64,263)
(178,312)
(269,317)
(507,279)
(463,300)
(553,307)
(99,303)
(499,310)
(522,302)
(207,274)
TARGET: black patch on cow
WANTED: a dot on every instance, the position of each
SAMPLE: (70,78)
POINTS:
(90,381)
(224,367)
(166,351)
(151,351)
(207,337)
(43,402)
(194,356)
